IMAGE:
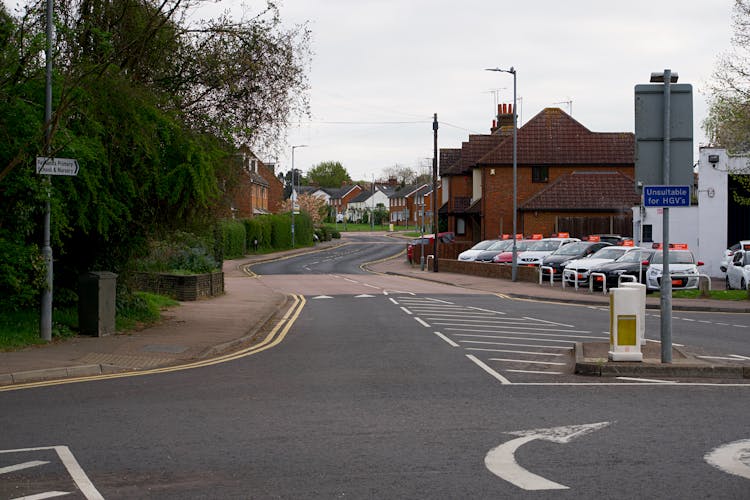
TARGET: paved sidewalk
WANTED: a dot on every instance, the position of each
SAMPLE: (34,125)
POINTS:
(205,328)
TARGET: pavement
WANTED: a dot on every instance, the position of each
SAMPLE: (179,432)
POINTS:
(204,329)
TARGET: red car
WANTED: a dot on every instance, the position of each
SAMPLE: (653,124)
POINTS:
(507,257)
(428,240)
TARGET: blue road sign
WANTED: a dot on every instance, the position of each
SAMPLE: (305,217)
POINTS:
(666,196)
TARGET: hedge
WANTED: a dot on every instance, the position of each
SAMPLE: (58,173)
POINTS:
(233,233)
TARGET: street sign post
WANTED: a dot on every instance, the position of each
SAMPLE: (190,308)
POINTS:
(56,166)
(666,196)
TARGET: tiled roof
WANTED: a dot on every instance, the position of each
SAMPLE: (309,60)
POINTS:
(405,191)
(363,196)
(472,151)
(448,157)
(553,137)
(586,191)
(337,193)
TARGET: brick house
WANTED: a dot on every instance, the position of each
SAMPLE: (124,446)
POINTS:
(340,198)
(251,194)
(479,179)
(402,206)
(422,214)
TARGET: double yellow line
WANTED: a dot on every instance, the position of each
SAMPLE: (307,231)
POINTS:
(274,338)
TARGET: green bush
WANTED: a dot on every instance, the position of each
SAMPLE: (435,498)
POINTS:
(335,234)
(22,274)
(234,237)
(180,252)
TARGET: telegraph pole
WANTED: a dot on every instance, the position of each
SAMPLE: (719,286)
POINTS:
(434,189)
(45,323)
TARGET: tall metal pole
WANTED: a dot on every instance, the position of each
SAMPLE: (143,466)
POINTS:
(514,261)
(45,323)
(666,278)
(514,269)
(434,189)
(293,195)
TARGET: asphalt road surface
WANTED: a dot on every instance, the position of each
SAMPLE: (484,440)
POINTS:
(382,388)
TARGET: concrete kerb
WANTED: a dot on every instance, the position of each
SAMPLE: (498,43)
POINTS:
(690,367)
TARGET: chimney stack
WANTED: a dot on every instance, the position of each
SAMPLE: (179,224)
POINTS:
(504,123)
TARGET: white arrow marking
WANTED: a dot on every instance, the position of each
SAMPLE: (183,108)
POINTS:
(322,297)
(732,458)
(25,465)
(502,462)
(363,296)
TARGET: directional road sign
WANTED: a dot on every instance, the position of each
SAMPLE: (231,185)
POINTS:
(666,196)
(56,166)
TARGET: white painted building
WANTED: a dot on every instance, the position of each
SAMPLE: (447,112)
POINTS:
(704,226)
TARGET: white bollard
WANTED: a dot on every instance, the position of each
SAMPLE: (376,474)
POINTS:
(641,308)
(624,325)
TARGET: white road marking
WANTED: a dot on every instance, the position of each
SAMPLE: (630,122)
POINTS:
(740,326)
(502,462)
(419,320)
(363,296)
(649,380)
(371,286)
(740,357)
(42,496)
(732,458)
(530,362)
(350,280)
(564,347)
(527,333)
(438,300)
(722,324)
(449,341)
(406,310)
(723,358)
(486,310)
(687,319)
(535,371)
(489,370)
(85,486)
(498,328)
(488,320)
(533,353)
(505,337)
(25,465)
(322,297)
(393,300)
(550,322)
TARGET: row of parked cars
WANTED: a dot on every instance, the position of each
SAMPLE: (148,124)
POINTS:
(608,258)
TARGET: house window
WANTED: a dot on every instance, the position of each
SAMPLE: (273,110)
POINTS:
(460,225)
(539,174)
(648,232)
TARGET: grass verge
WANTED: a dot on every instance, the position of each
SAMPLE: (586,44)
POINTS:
(713,294)
(20,329)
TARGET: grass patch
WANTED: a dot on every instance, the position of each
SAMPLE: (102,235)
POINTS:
(20,329)
(713,294)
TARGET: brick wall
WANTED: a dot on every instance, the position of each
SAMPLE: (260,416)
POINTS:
(178,286)
(487,270)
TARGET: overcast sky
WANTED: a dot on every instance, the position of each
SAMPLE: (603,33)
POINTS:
(385,66)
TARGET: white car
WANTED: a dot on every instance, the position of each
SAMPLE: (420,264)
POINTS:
(540,249)
(683,270)
(729,253)
(578,270)
(738,270)
(471,253)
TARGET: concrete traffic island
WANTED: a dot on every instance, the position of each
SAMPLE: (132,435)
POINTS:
(591,358)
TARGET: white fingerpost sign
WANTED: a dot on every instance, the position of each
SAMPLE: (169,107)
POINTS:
(56,166)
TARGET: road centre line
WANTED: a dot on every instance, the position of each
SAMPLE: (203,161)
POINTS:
(540,334)
(489,370)
(531,329)
(565,348)
(420,321)
(406,310)
(549,322)
(532,353)
(449,341)
(526,361)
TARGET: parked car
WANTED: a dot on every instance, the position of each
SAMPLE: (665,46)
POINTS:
(541,248)
(729,253)
(614,239)
(507,256)
(499,246)
(683,270)
(738,271)
(579,270)
(572,251)
(471,253)
(428,240)
(633,264)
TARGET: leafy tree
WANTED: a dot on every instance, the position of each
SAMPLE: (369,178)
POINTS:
(403,175)
(728,122)
(314,206)
(329,174)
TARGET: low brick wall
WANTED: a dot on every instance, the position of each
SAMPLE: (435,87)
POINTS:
(179,286)
(488,270)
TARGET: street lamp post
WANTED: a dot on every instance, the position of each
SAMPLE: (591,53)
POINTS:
(294,193)
(512,71)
